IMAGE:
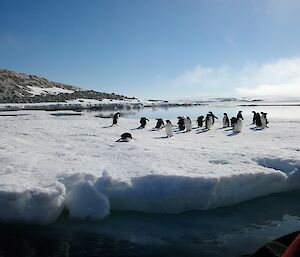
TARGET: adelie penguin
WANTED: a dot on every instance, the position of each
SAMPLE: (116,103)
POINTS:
(213,117)
(115,119)
(258,120)
(233,121)
(143,122)
(180,123)
(208,121)
(254,117)
(188,124)
(159,124)
(239,115)
(200,121)
(125,137)
(169,128)
(225,121)
(264,120)
(238,125)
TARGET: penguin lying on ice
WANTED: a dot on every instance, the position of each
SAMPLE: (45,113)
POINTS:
(125,137)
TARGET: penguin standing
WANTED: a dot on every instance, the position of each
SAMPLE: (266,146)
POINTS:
(238,125)
(188,124)
(125,137)
(143,122)
(208,121)
(159,124)
(213,117)
(233,121)
(254,117)
(239,115)
(264,121)
(200,121)
(169,128)
(115,118)
(180,123)
(258,120)
(225,121)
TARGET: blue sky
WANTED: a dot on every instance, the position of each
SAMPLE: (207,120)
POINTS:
(157,48)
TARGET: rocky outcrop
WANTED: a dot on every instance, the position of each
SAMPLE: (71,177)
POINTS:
(17,88)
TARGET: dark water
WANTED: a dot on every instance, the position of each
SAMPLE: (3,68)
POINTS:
(229,231)
(281,112)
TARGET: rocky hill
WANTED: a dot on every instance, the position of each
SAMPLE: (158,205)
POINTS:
(22,88)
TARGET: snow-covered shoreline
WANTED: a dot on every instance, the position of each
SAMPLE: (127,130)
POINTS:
(49,163)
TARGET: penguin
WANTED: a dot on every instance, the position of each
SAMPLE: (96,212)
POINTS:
(213,117)
(200,121)
(143,122)
(238,125)
(239,115)
(233,121)
(188,124)
(225,121)
(264,121)
(254,117)
(125,137)
(258,120)
(159,124)
(115,118)
(169,128)
(208,121)
(180,123)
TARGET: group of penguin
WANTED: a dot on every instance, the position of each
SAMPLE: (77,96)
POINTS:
(185,123)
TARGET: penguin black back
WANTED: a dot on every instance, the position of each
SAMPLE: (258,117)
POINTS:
(180,123)
(200,121)
(159,123)
(125,137)
(143,122)
(115,118)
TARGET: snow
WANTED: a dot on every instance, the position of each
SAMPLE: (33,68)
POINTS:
(48,90)
(48,163)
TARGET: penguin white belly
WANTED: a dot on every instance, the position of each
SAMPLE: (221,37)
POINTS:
(238,126)
(188,126)
(263,122)
(225,123)
(169,130)
(209,123)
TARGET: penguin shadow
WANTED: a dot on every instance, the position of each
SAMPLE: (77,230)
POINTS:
(229,129)
(203,130)
(162,137)
(256,129)
(233,133)
(155,129)
(137,128)
(221,128)
(110,126)
(182,131)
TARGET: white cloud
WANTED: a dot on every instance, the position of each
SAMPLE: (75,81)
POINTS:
(278,78)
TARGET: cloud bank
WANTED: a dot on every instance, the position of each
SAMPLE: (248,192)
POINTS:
(280,78)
